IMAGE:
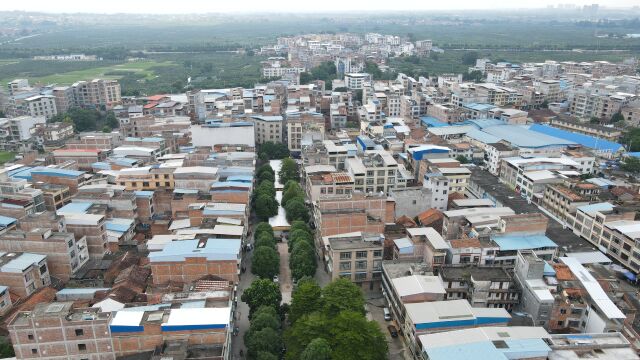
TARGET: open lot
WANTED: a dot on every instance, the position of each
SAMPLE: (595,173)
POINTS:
(144,69)
(6,156)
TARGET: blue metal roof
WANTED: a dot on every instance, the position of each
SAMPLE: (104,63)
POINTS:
(213,249)
(515,349)
(419,152)
(143,193)
(522,137)
(548,270)
(119,225)
(223,184)
(634,154)
(584,140)
(479,106)
(240,178)
(76,207)
(603,206)
(430,121)
(21,173)
(101,165)
(482,123)
(482,136)
(6,221)
(522,242)
(57,172)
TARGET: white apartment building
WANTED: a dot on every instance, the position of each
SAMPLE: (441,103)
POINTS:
(303,129)
(356,81)
(42,105)
(374,171)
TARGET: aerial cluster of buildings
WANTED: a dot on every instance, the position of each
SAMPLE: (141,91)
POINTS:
(493,225)
(349,52)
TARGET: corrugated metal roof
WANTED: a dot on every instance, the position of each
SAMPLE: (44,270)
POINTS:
(584,140)
(522,242)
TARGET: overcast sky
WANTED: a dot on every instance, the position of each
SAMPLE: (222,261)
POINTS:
(203,6)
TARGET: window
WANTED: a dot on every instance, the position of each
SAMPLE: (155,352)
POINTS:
(43,269)
(361,254)
(70,243)
(361,265)
(361,276)
(82,347)
(345,255)
(27,277)
(563,311)
(79,332)
(34,351)
(377,253)
(30,336)
(345,265)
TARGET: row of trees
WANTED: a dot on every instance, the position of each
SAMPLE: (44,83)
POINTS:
(302,258)
(293,202)
(271,151)
(330,323)
(265,201)
(266,259)
(264,337)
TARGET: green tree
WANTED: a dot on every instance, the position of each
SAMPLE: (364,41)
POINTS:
(305,299)
(267,340)
(545,104)
(475,76)
(268,176)
(300,225)
(111,120)
(264,239)
(296,210)
(266,187)
(318,349)
(265,355)
(302,261)
(264,168)
(305,78)
(303,331)
(342,295)
(292,192)
(266,206)
(289,171)
(469,58)
(262,292)
(617,117)
(462,159)
(351,333)
(265,262)
(106,129)
(270,151)
(594,120)
(6,349)
(262,228)
(299,235)
(632,139)
(631,164)
(265,317)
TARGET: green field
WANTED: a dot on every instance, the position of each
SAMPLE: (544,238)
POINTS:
(143,69)
(6,156)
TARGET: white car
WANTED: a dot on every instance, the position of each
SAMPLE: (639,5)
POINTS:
(276,279)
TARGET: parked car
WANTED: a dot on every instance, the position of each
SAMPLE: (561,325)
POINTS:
(393,331)
(276,279)
(387,314)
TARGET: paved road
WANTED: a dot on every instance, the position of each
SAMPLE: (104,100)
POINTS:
(397,349)
(242,309)
(286,284)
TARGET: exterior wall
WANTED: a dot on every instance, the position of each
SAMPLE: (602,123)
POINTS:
(192,269)
(56,338)
(357,269)
(96,237)
(153,336)
(27,282)
(72,183)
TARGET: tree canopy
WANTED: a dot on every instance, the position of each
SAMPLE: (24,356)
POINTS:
(631,164)
(266,206)
(262,292)
(342,295)
(318,349)
(271,151)
(265,262)
(306,299)
(289,171)
(296,210)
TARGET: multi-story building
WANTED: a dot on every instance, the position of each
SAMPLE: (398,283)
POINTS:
(97,92)
(24,273)
(537,299)
(374,171)
(57,331)
(224,133)
(17,85)
(599,131)
(185,261)
(354,256)
(83,157)
(482,286)
(610,228)
(42,105)
(63,96)
(73,179)
(356,81)
(65,254)
(269,128)
(326,152)
(326,184)
(303,129)
(83,222)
